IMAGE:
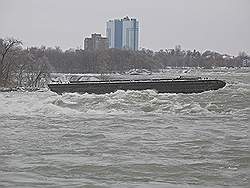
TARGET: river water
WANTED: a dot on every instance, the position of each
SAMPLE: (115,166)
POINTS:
(128,139)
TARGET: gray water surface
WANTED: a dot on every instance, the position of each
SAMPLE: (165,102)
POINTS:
(128,139)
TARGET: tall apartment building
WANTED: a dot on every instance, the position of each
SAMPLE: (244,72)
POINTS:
(123,33)
(96,42)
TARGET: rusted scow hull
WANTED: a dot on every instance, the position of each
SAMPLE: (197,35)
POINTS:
(161,86)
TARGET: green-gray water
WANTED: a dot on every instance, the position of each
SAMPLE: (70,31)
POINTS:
(128,139)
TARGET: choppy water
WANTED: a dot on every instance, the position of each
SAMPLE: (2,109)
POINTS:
(128,139)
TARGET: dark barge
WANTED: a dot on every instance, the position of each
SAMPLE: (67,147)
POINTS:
(178,85)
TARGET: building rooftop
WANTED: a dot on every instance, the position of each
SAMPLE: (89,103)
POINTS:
(126,18)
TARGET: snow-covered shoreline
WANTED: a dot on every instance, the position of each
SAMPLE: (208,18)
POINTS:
(22,89)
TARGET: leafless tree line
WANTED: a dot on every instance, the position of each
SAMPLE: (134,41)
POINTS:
(118,60)
(21,67)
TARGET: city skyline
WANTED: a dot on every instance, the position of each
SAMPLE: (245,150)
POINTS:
(220,26)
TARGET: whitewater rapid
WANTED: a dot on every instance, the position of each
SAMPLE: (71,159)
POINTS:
(128,139)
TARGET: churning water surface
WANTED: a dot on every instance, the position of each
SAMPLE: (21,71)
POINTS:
(128,139)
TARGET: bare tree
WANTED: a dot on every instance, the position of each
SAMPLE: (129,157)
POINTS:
(34,73)
(7,52)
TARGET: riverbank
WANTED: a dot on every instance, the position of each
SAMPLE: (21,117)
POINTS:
(11,89)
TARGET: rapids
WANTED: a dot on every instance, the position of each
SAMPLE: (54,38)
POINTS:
(128,139)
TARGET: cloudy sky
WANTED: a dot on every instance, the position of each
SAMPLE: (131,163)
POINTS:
(218,25)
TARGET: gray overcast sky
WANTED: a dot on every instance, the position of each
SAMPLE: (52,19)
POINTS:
(218,25)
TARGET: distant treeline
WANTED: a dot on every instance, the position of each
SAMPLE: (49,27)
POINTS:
(118,60)
(31,66)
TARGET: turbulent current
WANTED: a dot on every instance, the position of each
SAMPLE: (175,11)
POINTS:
(128,139)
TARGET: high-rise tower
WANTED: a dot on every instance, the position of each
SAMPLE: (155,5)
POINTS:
(123,33)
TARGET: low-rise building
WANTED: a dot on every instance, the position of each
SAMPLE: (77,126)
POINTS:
(246,62)
(96,42)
